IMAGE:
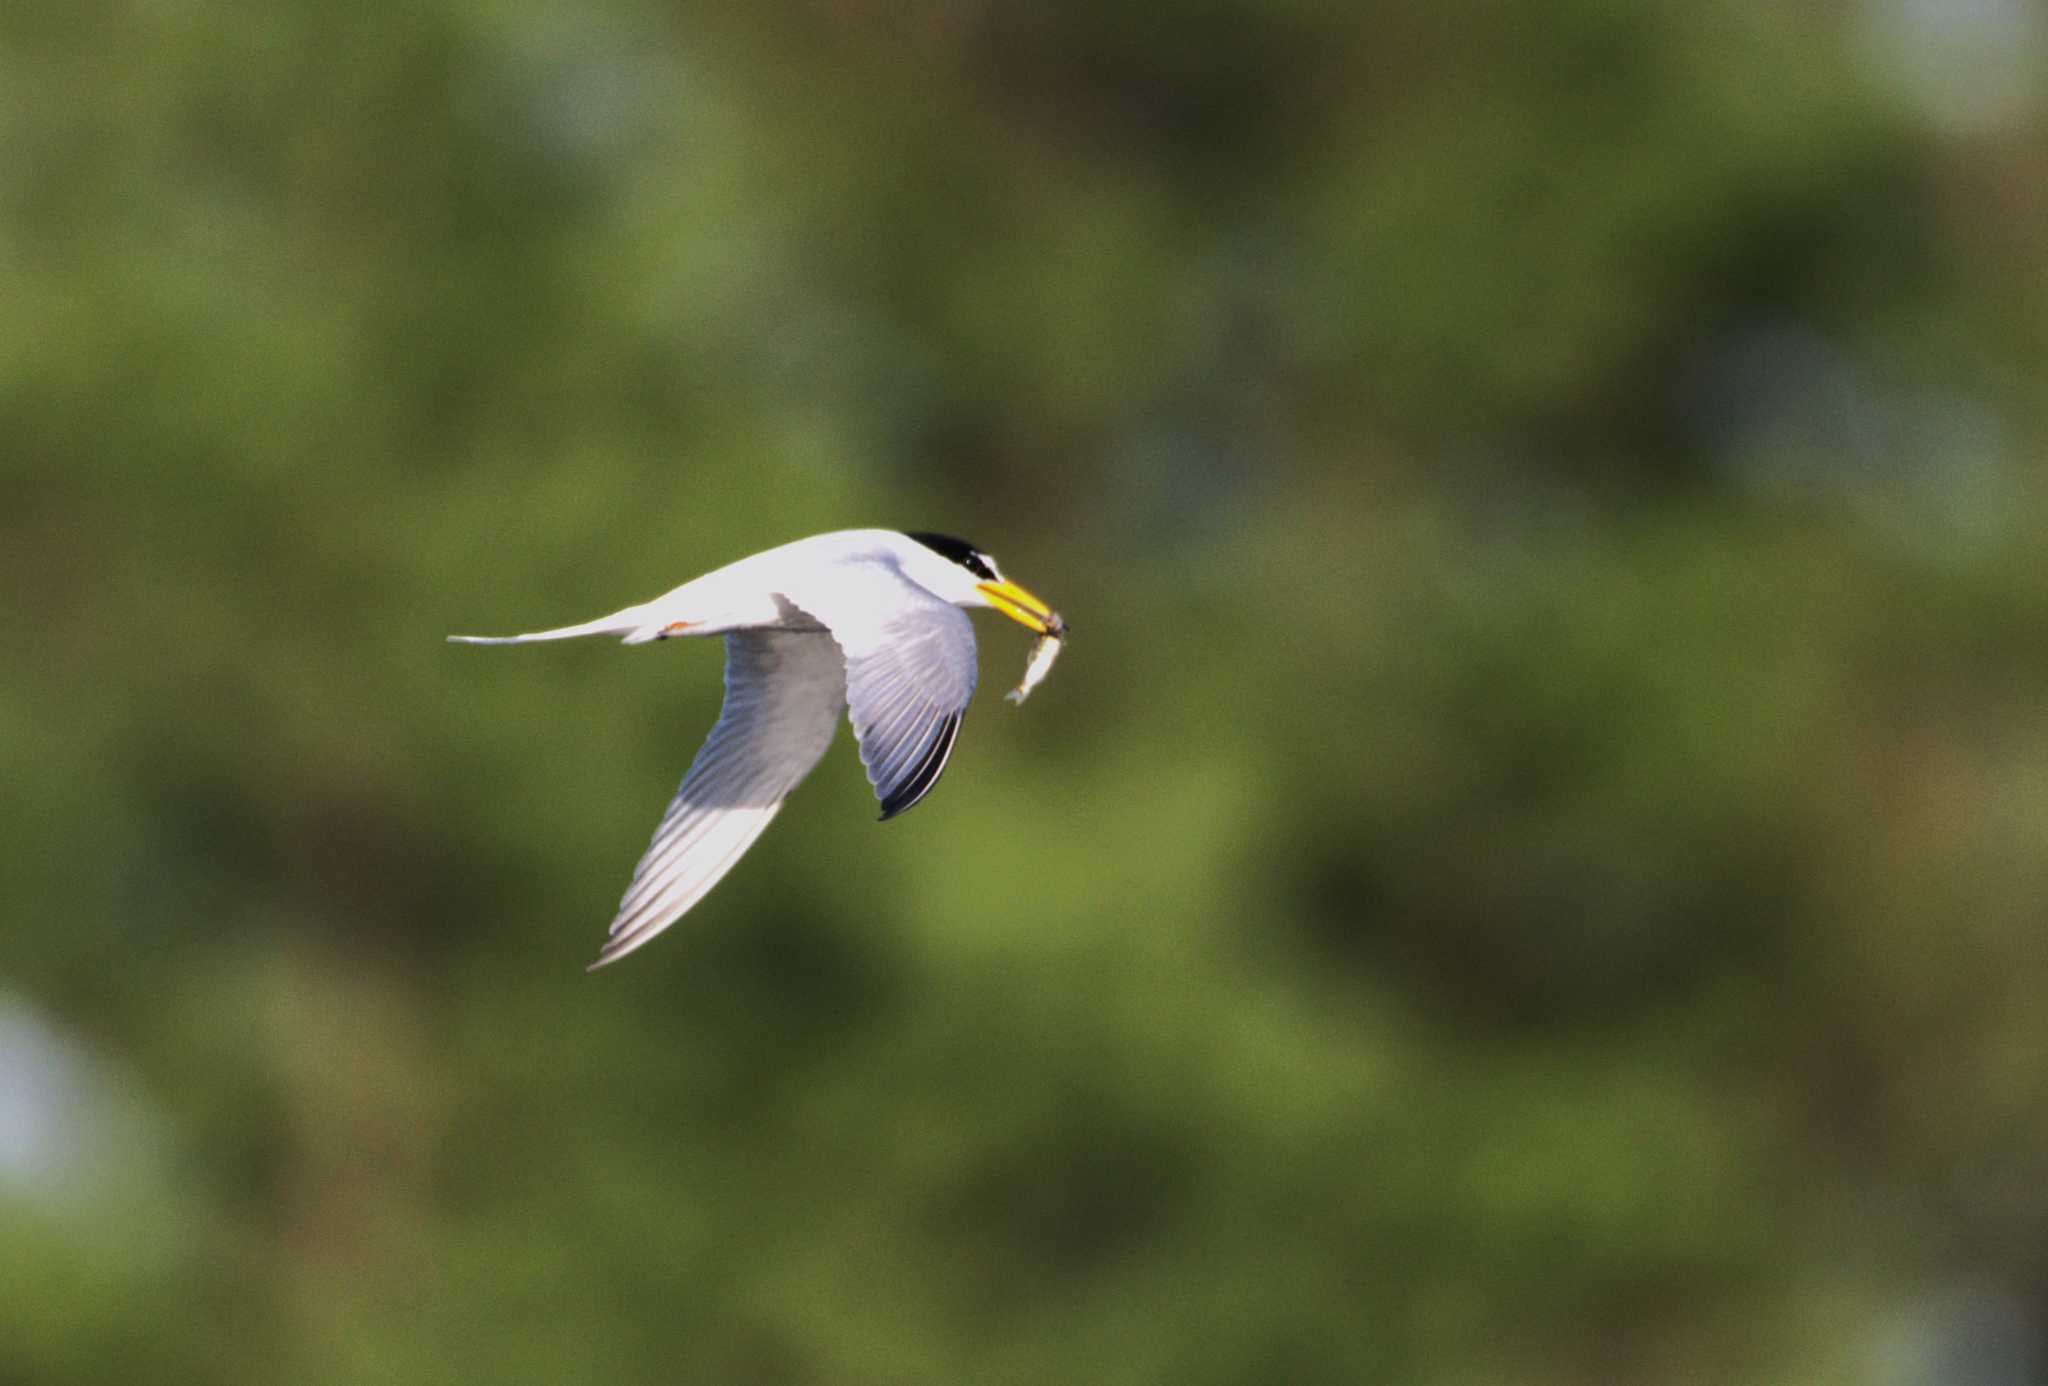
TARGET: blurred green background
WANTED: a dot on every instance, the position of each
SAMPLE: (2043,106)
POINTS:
(1533,868)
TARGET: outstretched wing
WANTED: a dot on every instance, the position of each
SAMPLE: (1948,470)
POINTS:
(910,670)
(906,696)
(783,694)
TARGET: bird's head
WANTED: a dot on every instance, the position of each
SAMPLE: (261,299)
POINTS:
(956,571)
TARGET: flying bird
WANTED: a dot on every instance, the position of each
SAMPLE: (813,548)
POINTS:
(869,622)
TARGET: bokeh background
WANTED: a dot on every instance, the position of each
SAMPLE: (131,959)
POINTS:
(1533,868)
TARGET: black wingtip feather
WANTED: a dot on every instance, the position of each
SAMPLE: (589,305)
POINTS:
(920,781)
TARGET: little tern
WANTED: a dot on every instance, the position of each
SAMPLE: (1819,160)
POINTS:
(865,621)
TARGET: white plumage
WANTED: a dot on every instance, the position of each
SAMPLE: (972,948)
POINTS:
(865,621)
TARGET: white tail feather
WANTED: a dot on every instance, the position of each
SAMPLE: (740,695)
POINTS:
(628,623)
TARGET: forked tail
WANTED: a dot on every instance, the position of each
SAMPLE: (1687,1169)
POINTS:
(627,623)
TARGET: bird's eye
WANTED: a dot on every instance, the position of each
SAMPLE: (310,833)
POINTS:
(958,551)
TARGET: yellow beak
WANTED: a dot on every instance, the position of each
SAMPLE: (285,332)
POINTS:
(1023,608)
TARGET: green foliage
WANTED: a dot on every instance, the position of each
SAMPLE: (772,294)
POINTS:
(1531,869)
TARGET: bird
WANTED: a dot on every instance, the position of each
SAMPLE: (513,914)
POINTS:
(869,622)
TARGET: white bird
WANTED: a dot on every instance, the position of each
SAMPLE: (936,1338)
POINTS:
(866,621)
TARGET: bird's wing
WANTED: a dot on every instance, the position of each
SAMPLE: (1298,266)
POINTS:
(910,671)
(783,694)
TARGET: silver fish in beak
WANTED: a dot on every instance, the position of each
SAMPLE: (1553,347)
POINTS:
(1044,650)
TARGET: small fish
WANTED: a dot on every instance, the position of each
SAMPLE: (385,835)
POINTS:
(1044,650)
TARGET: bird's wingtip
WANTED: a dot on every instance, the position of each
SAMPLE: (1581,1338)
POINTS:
(616,947)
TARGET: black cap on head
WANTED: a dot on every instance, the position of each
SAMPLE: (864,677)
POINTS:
(959,550)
